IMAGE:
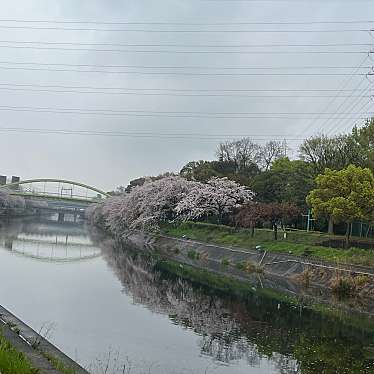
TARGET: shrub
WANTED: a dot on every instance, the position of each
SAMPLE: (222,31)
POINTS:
(343,286)
(193,255)
(361,280)
(304,277)
(249,267)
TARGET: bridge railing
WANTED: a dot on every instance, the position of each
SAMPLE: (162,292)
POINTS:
(63,189)
(48,193)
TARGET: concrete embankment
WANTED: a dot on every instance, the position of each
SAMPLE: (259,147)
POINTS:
(280,271)
(42,354)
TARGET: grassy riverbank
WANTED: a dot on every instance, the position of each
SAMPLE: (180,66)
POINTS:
(12,361)
(298,243)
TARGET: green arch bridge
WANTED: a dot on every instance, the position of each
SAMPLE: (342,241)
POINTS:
(56,189)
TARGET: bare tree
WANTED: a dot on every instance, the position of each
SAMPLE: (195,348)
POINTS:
(270,152)
(334,153)
(243,152)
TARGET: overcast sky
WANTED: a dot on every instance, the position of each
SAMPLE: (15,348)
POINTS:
(109,161)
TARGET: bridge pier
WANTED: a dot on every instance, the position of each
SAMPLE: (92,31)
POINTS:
(61,217)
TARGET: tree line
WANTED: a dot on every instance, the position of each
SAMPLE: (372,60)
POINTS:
(332,175)
(248,185)
(274,177)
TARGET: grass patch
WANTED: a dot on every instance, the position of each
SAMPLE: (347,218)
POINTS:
(249,267)
(57,364)
(298,243)
(12,361)
(193,255)
(343,286)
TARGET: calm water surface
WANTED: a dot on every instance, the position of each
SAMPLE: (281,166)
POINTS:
(102,304)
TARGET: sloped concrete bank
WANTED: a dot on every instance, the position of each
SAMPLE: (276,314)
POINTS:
(285,273)
(42,354)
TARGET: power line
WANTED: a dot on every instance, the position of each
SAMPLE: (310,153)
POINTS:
(179,45)
(165,112)
(342,87)
(171,114)
(368,89)
(172,94)
(57,28)
(344,106)
(187,67)
(344,123)
(183,23)
(146,133)
(357,119)
(119,135)
(178,90)
(181,51)
(150,135)
(352,107)
(175,72)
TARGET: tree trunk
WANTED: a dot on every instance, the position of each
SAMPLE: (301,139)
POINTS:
(220,216)
(252,231)
(347,235)
(331,226)
(252,227)
(275,228)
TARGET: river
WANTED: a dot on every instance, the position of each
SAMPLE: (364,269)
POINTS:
(114,311)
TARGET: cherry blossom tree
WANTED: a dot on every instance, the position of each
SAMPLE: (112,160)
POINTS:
(155,202)
(145,207)
(106,213)
(165,199)
(218,197)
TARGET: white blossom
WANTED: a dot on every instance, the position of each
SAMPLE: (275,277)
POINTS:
(145,207)
(166,199)
(216,198)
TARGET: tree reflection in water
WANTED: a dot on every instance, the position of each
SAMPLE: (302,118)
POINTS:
(246,327)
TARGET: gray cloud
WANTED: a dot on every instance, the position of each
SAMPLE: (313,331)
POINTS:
(110,161)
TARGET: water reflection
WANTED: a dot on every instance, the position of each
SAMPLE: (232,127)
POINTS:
(159,318)
(247,327)
(47,240)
